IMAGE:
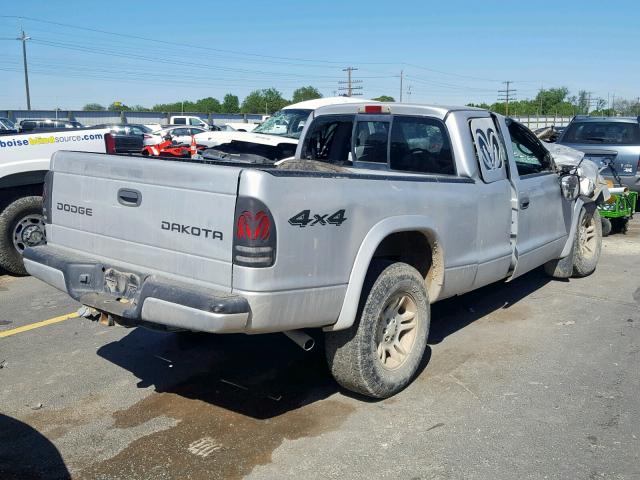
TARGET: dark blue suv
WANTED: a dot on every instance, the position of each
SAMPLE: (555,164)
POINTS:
(608,141)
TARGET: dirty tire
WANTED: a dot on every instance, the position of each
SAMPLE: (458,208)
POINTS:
(606,227)
(311,166)
(588,242)
(354,354)
(10,258)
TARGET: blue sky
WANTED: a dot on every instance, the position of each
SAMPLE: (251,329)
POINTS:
(451,52)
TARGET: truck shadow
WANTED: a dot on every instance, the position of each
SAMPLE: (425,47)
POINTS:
(453,314)
(27,454)
(260,376)
(264,376)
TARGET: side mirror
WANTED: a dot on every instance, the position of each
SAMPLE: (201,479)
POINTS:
(570,186)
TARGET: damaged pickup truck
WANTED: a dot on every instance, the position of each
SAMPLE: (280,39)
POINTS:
(384,210)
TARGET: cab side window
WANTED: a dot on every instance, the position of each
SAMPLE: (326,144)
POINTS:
(195,121)
(180,121)
(420,144)
(530,156)
(329,139)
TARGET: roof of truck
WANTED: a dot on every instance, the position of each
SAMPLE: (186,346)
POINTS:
(404,108)
(323,102)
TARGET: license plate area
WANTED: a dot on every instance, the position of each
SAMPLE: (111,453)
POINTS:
(125,286)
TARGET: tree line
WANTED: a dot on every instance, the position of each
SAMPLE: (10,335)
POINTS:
(266,101)
(557,101)
(548,102)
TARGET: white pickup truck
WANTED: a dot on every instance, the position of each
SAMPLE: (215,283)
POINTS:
(384,210)
(275,139)
(24,161)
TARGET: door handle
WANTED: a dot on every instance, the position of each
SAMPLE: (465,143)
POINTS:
(524,203)
(129,197)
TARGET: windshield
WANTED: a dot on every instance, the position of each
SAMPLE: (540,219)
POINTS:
(285,123)
(615,133)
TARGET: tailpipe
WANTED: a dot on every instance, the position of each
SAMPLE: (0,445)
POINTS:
(301,339)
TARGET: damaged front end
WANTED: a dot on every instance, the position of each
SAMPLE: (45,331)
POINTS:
(593,186)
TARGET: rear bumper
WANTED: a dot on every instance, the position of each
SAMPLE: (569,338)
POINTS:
(136,298)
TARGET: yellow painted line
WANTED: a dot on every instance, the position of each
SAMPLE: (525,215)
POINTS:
(43,323)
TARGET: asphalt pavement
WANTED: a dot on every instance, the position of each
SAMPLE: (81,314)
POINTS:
(533,379)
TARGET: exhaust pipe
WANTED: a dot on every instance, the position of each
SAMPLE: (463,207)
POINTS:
(301,339)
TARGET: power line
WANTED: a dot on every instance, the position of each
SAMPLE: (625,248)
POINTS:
(249,54)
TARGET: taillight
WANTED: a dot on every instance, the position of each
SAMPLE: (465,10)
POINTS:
(109,143)
(254,239)
(146,135)
(46,196)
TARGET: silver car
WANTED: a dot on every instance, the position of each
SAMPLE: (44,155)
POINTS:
(609,142)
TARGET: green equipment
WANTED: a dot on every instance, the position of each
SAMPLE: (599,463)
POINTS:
(619,209)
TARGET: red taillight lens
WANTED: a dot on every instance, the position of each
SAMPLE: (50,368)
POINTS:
(146,135)
(373,109)
(109,143)
(254,241)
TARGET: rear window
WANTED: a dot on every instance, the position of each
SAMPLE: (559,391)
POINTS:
(616,133)
(329,139)
(371,141)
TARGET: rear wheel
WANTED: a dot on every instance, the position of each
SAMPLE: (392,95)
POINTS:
(381,352)
(21,226)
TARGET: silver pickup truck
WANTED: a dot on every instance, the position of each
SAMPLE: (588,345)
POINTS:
(384,210)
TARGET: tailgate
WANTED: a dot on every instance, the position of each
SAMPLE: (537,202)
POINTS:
(168,217)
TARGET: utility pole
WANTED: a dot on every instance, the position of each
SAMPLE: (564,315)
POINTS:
(588,101)
(401,77)
(350,88)
(506,95)
(23,38)
(409,93)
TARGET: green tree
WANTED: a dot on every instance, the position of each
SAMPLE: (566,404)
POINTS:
(208,105)
(230,104)
(93,107)
(384,98)
(305,93)
(267,100)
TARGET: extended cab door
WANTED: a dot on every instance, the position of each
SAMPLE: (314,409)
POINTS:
(542,214)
